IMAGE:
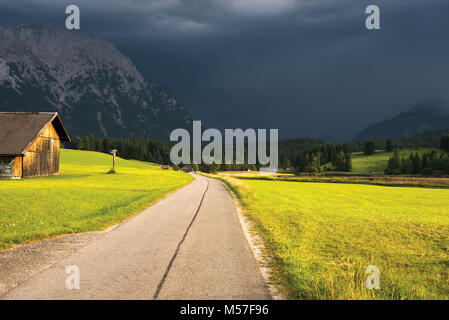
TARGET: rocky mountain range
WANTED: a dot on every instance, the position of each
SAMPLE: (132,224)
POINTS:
(427,116)
(95,88)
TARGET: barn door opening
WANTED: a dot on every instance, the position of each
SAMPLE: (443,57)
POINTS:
(6,167)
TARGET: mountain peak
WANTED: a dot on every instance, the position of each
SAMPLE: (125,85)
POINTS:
(62,49)
(94,87)
(426,116)
(434,107)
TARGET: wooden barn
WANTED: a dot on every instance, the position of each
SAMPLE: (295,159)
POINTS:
(30,144)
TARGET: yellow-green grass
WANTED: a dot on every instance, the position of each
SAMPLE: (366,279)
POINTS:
(322,237)
(377,163)
(82,197)
(380,180)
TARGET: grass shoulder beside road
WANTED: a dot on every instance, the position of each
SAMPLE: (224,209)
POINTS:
(322,237)
(82,198)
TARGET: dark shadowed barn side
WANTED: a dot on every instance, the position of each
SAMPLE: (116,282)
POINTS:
(30,143)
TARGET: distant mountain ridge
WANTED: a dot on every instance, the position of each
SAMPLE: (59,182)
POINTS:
(428,116)
(87,80)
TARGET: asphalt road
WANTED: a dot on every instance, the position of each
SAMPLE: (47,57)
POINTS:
(189,245)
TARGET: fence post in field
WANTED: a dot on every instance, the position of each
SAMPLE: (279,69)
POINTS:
(113,152)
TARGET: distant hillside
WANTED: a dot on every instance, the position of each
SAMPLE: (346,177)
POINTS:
(429,139)
(429,116)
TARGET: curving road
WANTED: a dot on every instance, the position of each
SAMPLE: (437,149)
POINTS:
(189,245)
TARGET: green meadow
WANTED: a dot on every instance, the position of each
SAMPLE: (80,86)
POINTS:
(321,237)
(377,163)
(82,197)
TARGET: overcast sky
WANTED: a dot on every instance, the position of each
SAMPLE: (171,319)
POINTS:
(307,67)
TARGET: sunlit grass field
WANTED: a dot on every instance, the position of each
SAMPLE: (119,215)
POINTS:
(377,163)
(322,237)
(82,198)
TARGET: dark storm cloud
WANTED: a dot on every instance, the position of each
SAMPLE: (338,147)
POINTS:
(309,68)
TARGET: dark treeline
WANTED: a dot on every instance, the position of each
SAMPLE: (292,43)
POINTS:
(131,148)
(291,149)
(332,156)
(426,164)
(301,155)
(444,144)
(305,155)
(148,150)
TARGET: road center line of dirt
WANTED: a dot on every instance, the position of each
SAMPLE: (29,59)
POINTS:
(164,277)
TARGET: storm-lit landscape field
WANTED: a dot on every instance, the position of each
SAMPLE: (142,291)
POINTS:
(82,198)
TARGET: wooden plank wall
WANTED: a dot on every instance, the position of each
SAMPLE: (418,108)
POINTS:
(17,170)
(43,157)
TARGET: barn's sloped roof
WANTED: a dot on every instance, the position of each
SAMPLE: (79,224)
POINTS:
(19,129)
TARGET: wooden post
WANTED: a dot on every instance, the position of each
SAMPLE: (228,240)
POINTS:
(114,152)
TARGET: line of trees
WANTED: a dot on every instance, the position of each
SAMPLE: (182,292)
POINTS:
(149,150)
(132,148)
(336,155)
(426,164)
(326,156)
(369,147)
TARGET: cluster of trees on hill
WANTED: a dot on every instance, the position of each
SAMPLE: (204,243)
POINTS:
(132,148)
(334,154)
(426,164)
(291,149)
(369,147)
